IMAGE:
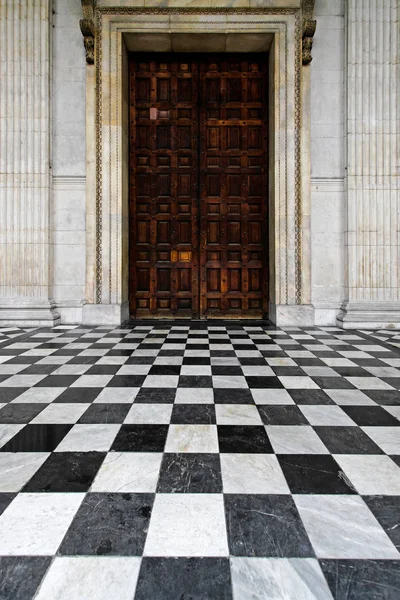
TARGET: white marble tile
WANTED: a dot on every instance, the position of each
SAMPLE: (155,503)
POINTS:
(320,371)
(258,371)
(338,362)
(194,396)
(387,438)
(90,577)
(249,353)
(278,579)
(228,381)
(196,370)
(298,383)
(252,474)
(393,410)
(192,438)
(295,439)
(343,527)
(35,524)
(134,370)
(326,415)
(85,438)
(149,413)
(371,474)
(117,395)
(6,369)
(16,469)
(237,414)
(61,413)
(4,359)
(135,472)
(39,395)
(271,396)
(161,381)
(369,383)
(383,371)
(349,397)
(168,360)
(112,360)
(72,369)
(187,525)
(22,381)
(281,362)
(370,348)
(92,381)
(7,431)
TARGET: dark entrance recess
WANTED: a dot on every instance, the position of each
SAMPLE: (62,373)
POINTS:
(198,186)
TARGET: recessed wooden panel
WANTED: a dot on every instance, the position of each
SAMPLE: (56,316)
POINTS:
(198,185)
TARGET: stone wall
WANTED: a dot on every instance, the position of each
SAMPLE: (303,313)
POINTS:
(327,161)
(69,160)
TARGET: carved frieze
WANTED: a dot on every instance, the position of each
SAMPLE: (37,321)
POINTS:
(87,28)
(309,26)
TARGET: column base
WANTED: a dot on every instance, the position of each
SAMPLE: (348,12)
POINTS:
(369,315)
(28,314)
(105,314)
(292,315)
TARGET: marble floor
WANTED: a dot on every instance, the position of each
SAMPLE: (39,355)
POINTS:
(199,461)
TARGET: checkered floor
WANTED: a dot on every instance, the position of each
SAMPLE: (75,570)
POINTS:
(199,461)
(8,333)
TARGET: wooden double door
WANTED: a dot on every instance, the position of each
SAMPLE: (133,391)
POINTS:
(198,186)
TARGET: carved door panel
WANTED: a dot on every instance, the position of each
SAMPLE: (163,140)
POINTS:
(233,186)
(164,186)
(198,186)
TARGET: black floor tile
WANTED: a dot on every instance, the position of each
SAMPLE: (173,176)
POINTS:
(103,370)
(78,394)
(8,394)
(195,414)
(21,576)
(126,381)
(243,438)
(105,413)
(362,579)
(314,474)
(165,370)
(20,413)
(371,415)
(310,397)
(57,381)
(140,438)
(347,440)
(232,396)
(190,473)
(195,381)
(333,383)
(382,397)
(387,511)
(109,524)
(66,472)
(263,382)
(184,579)
(5,499)
(156,396)
(37,438)
(265,525)
(282,415)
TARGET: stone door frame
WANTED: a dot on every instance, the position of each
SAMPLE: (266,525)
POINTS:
(107,135)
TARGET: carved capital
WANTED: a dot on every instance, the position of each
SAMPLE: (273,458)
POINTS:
(88,29)
(309,26)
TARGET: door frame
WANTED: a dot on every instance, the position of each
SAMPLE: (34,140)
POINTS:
(107,126)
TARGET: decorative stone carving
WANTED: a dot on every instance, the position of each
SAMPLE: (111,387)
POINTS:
(87,29)
(309,27)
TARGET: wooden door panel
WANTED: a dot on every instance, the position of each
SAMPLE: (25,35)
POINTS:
(233,190)
(164,186)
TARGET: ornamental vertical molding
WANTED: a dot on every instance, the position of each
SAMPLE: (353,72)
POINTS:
(373,133)
(25,113)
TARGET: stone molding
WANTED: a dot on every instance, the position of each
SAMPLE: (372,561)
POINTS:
(88,29)
(106,152)
(69,182)
(309,27)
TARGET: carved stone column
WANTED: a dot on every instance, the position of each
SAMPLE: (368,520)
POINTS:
(373,190)
(25,113)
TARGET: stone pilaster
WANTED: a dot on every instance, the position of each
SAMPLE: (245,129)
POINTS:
(373,190)
(25,162)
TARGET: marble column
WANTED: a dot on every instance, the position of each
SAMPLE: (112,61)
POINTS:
(25,163)
(373,134)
